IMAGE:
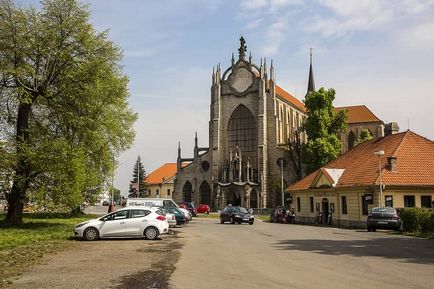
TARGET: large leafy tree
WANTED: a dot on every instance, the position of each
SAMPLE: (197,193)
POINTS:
(323,126)
(139,176)
(63,102)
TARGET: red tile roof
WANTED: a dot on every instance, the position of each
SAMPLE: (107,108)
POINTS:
(415,163)
(358,114)
(161,174)
(291,99)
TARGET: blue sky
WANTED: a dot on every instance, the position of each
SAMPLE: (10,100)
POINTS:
(374,52)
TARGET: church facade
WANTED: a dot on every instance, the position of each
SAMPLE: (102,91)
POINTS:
(254,136)
(249,160)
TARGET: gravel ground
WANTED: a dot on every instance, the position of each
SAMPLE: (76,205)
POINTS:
(117,263)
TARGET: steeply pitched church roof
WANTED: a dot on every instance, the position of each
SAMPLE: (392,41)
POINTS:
(414,158)
(291,99)
(358,114)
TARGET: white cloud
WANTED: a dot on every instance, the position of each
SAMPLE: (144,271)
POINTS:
(419,37)
(274,35)
(253,4)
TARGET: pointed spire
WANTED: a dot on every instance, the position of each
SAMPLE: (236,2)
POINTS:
(213,75)
(243,48)
(311,82)
(250,58)
(233,60)
(272,70)
(179,150)
(195,140)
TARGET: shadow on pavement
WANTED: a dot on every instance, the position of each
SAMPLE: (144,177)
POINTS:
(410,250)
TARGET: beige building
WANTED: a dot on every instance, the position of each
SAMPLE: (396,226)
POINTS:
(159,183)
(348,188)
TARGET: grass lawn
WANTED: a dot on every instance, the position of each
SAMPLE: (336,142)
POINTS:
(39,234)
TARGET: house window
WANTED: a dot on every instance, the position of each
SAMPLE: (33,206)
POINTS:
(157,192)
(298,204)
(311,204)
(426,201)
(409,201)
(364,205)
(344,205)
(388,200)
(149,191)
(168,192)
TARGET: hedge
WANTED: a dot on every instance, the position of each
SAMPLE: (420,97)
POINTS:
(417,219)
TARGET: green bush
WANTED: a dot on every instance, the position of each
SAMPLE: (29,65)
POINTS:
(417,220)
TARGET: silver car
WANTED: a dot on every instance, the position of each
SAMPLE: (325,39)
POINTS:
(126,222)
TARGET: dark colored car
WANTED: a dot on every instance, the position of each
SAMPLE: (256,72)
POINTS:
(105,203)
(179,216)
(236,215)
(190,208)
(203,208)
(383,218)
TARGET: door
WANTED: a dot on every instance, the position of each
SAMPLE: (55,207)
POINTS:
(114,224)
(325,210)
(136,222)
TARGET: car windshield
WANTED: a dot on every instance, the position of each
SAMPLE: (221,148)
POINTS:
(383,210)
(241,209)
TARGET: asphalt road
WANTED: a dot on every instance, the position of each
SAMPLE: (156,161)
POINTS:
(267,255)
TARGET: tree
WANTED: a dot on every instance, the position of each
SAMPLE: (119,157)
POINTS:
(323,127)
(63,98)
(365,135)
(138,173)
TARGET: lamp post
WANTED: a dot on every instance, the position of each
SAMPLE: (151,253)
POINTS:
(379,153)
(281,181)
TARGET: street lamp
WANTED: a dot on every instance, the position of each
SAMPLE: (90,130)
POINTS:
(112,204)
(379,153)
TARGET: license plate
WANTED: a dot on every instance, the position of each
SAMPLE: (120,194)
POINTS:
(381,222)
(245,219)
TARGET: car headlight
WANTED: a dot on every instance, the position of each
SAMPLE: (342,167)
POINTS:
(81,224)
(237,216)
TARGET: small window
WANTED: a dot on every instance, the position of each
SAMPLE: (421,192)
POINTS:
(426,201)
(344,205)
(298,204)
(168,192)
(388,201)
(157,192)
(311,204)
(409,201)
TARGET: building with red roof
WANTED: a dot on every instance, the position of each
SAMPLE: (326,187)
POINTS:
(348,187)
(159,183)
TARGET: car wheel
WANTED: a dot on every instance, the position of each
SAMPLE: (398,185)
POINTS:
(222,221)
(239,222)
(368,229)
(151,233)
(251,222)
(374,229)
(207,212)
(232,220)
(91,234)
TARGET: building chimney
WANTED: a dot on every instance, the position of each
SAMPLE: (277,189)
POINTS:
(391,128)
(392,163)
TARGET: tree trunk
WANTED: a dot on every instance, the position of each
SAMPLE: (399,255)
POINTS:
(21,183)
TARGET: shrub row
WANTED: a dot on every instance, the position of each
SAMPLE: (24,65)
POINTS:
(417,219)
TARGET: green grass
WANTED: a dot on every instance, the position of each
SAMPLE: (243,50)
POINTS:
(22,246)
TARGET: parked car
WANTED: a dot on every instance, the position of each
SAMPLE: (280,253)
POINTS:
(186,214)
(179,215)
(171,218)
(190,207)
(105,203)
(236,215)
(203,209)
(383,218)
(126,222)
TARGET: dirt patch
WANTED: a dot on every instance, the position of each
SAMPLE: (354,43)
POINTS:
(126,263)
(164,258)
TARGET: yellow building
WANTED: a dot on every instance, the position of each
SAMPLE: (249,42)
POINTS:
(159,183)
(344,191)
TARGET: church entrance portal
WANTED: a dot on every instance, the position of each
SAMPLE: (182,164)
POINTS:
(234,196)
(186,192)
(205,193)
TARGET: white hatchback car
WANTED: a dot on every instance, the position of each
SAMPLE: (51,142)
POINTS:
(126,222)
